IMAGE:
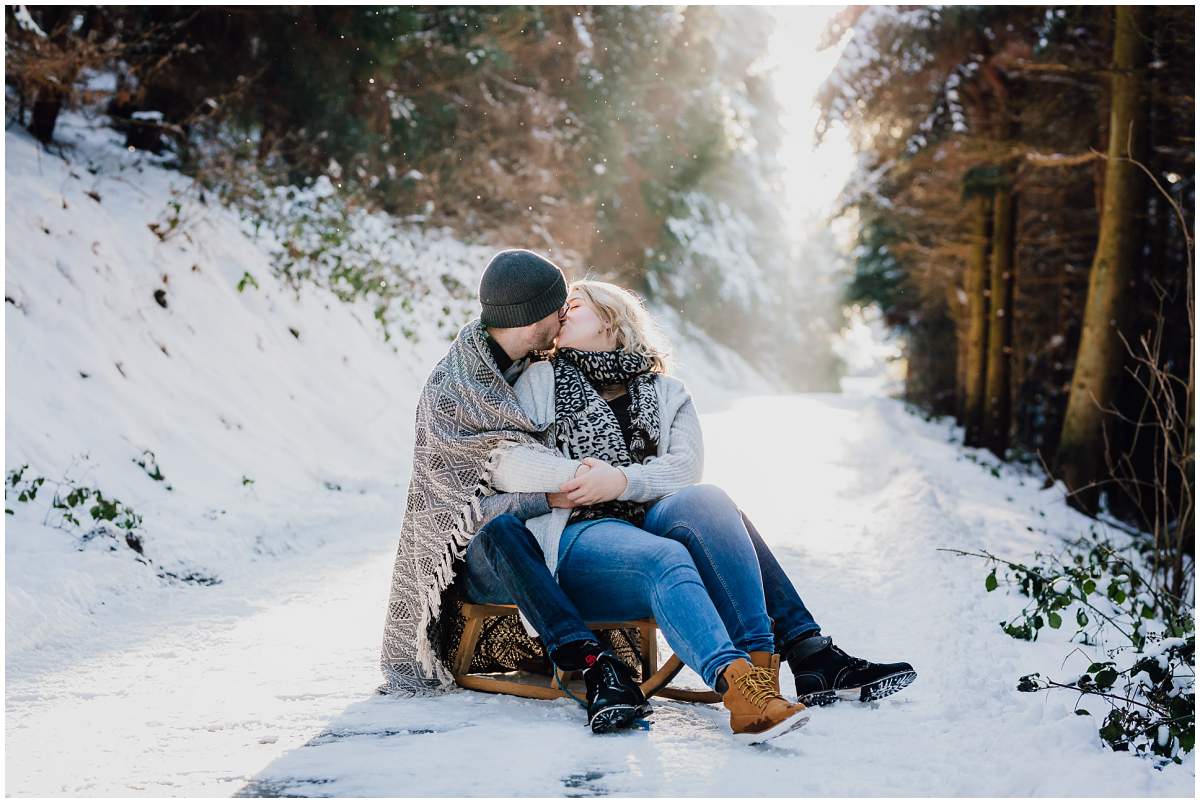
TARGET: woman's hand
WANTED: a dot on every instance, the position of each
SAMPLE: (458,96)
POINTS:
(601,482)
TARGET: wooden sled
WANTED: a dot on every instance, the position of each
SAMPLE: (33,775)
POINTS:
(656,677)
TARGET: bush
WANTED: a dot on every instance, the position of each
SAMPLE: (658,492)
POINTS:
(77,509)
(1147,678)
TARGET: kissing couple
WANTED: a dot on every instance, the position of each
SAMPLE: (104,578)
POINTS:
(557,466)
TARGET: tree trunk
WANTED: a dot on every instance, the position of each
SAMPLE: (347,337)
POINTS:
(998,406)
(1080,459)
(45,114)
(977,328)
(960,368)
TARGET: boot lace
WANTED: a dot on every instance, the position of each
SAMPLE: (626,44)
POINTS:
(855,663)
(758,685)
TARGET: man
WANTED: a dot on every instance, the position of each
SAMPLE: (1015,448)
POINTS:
(521,300)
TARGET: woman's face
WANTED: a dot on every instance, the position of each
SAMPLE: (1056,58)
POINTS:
(583,328)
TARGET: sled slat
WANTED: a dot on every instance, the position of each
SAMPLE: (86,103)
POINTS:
(656,677)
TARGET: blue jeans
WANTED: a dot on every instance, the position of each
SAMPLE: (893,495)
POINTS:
(694,567)
(505,566)
(791,617)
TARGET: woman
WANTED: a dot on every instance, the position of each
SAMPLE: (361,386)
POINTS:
(632,535)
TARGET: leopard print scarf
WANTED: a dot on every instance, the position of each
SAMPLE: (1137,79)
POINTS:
(587,426)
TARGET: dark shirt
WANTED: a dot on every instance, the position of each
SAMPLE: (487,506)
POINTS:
(503,361)
(620,408)
(523,505)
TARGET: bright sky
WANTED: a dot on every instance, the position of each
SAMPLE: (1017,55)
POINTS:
(814,177)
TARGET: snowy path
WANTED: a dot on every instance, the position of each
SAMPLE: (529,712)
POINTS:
(263,685)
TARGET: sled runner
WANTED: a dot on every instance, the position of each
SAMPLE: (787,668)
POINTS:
(656,678)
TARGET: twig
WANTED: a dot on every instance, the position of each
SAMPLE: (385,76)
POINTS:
(1107,695)
(1043,578)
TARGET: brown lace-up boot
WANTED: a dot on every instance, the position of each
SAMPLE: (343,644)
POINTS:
(756,711)
(767,660)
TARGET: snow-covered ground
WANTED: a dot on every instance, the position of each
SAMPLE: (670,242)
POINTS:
(120,681)
(263,685)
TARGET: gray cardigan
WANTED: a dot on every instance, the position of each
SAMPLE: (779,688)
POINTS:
(678,464)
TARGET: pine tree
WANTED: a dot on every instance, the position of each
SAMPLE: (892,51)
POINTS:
(1082,450)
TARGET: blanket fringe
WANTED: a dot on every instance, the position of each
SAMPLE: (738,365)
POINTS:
(417,668)
(468,516)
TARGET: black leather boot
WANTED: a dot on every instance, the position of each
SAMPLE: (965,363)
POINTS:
(825,673)
(614,699)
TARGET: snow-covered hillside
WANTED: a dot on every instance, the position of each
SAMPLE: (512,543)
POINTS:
(278,420)
(270,413)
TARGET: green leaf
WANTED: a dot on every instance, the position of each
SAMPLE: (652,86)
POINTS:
(1081,617)
(1089,586)
(1105,678)
(1113,732)
(990,583)
(1115,593)
(1054,619)
(1147,611)
(246,281)
(1082,712)
(1021,632)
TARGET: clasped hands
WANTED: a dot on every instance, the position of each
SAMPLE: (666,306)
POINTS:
(595,481)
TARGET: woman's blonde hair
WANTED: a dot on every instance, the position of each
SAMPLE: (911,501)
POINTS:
(626,315)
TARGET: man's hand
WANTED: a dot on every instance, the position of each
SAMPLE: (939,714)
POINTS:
(600,483)
(559,498)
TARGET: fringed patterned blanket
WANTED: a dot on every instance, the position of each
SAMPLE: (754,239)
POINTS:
(466,410)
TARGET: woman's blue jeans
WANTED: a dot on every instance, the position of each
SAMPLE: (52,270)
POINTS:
(689,568)
(692,566)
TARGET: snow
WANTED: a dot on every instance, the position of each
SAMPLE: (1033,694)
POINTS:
(25,22)
(123,683)
(95,81)
(294,390)
(584,36)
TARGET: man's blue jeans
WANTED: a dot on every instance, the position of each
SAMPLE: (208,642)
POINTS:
(505,565)
(791,617)
(698,567)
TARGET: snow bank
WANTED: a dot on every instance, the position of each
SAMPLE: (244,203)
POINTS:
(142,318)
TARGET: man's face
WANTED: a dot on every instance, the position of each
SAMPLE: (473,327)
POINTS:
(546,330)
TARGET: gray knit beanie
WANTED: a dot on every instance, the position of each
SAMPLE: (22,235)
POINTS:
(519,288)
